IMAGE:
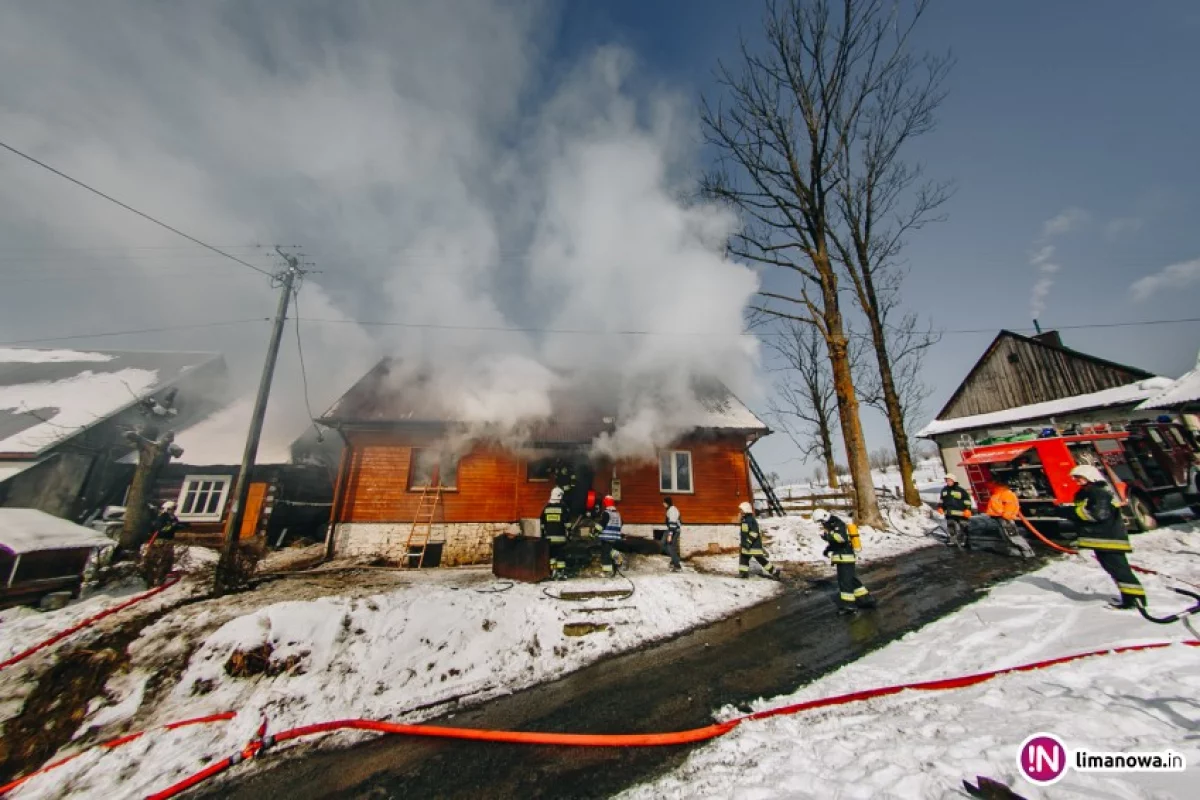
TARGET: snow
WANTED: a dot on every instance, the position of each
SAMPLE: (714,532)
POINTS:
(27,530)
(26,355)
(1121,395)
(922,744)
(427,637)
(9,469)
(796,539)
(75,403)
(220,438)
(1184,390)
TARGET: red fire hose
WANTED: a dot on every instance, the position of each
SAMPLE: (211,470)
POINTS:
(172,579)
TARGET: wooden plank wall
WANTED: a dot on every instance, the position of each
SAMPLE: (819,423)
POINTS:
(1038,374)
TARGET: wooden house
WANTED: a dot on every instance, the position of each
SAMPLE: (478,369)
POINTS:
(1026,383)
(401,439)
(64,415)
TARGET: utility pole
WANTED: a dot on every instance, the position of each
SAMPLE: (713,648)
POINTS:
(241,490)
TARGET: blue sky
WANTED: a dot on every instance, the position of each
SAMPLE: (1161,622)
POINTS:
(1083,108)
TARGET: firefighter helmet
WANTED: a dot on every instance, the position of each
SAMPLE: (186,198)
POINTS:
(1088,472)
(746,508)
(169,505)
(609,502)
(821,516)
(556,495)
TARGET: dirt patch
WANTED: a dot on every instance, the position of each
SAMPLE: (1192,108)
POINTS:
(584,628)
(258,661)
(608,593)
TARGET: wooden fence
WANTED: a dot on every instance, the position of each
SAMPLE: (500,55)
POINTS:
(835,501)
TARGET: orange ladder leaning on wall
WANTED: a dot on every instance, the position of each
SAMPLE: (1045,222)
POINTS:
(422,527)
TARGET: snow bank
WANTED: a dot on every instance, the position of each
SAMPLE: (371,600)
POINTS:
(444,635)
(921,745)
(796,539)
(30,355)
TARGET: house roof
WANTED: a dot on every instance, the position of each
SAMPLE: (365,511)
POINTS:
(1184,391)
(1135,373)
(49,396)
(1122,395)
(27,530)
(580,410)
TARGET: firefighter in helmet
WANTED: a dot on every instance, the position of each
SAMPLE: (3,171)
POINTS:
(165,524)
(608,531)
(554,531)
(752,546)
(1097,516)
(955,506)
(852,595)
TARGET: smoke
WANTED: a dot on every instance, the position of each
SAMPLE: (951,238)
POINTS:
(1061,224)
(422,159)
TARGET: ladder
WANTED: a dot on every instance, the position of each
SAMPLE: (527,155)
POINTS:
(773,504)
(422,527)
(975,473)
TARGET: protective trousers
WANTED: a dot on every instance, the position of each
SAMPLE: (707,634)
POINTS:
(1014,537)
(850,588)
(744,564)
(1117,567)
(956,530)
(671,547)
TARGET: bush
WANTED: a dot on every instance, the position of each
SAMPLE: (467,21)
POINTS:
(157,562)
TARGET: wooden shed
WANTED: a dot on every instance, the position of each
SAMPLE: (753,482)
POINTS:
(41,553)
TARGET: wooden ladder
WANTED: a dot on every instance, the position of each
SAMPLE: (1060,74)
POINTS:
(422,527)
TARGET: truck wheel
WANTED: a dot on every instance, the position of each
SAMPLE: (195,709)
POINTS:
(1195,511)
(1143,513)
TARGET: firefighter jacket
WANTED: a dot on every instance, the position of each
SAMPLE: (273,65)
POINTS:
(674,521)
(837,536)
(751,542)
(609,526)
(1003,504)
(955,501)
(1097,515)
(554,524)
(164,526)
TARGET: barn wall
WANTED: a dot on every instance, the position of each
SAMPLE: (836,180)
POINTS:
(1019,372)
(52,486)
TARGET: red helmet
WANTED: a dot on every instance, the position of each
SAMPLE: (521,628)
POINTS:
(609,502)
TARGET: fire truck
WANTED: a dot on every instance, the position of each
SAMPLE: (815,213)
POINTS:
(1153,466)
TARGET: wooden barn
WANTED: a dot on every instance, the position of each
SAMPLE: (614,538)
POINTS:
(1026,383)
(401,440)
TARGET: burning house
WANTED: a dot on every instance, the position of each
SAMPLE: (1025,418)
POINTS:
(413,456)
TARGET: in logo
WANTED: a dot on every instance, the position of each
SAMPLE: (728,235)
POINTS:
(1042,759)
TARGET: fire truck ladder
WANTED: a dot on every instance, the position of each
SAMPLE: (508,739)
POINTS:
(975,473)
(422,528)
(773,504)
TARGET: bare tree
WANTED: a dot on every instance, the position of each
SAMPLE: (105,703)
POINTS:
(789,138)
(880,198)
(805,404)
(882,459)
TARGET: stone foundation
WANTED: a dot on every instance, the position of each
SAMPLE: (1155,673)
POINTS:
(471,542)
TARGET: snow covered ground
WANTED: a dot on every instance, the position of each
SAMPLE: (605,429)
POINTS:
(922,744)
(927,474)
(406,651)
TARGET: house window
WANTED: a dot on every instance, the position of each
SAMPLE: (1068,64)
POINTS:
(203,497)
(432,468)
(675,471)
(541,469)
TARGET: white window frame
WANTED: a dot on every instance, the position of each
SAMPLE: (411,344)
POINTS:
(675,472)
(226,483)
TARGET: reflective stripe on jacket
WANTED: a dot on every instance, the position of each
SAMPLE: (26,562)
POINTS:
(1097,516)
(837,536)
(610,525)
(553,526)
(751,538)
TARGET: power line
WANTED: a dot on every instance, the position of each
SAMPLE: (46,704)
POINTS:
(300,352)
(142,214)
(140,330)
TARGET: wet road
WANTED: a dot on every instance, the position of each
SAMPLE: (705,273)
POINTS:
(766,650)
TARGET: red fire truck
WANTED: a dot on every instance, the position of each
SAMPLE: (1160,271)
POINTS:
(1152,465)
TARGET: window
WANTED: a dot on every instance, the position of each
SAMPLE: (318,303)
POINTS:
(430,468)
(675,471)
(1178,436)
(203,497)
(540,469)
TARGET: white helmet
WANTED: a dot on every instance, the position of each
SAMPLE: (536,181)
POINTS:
(556,495)
(746,508)
(821,515)
(169,505)
(1088,472)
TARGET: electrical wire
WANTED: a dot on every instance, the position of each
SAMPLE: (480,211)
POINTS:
(140,330)
(142,214)
(300,352)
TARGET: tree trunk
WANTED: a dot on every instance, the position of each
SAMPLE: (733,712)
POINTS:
(152,457)
(895,414)
(827,453)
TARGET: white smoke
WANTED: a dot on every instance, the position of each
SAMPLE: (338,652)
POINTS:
(414,152)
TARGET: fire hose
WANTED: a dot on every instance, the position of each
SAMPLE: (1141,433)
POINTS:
(171,580)
(262,741)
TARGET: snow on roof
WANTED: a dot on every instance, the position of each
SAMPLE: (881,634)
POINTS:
(220,438)
(1121,395)
(27,530)
(49,396)
(1184,390)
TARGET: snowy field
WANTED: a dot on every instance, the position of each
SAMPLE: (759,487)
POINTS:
(408,650)
(923,744)
(927,474)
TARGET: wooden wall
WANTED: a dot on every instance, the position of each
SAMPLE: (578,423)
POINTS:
(493,484)
(1018,372)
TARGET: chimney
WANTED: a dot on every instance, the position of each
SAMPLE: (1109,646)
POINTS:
(1052,338)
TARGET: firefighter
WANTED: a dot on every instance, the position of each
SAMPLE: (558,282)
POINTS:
(554,531)
(166,524)
(608,531)
(674,528)
(1097,516)
(1004,508)
(564,476)
(852,595)
(752,546)
(955,506)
